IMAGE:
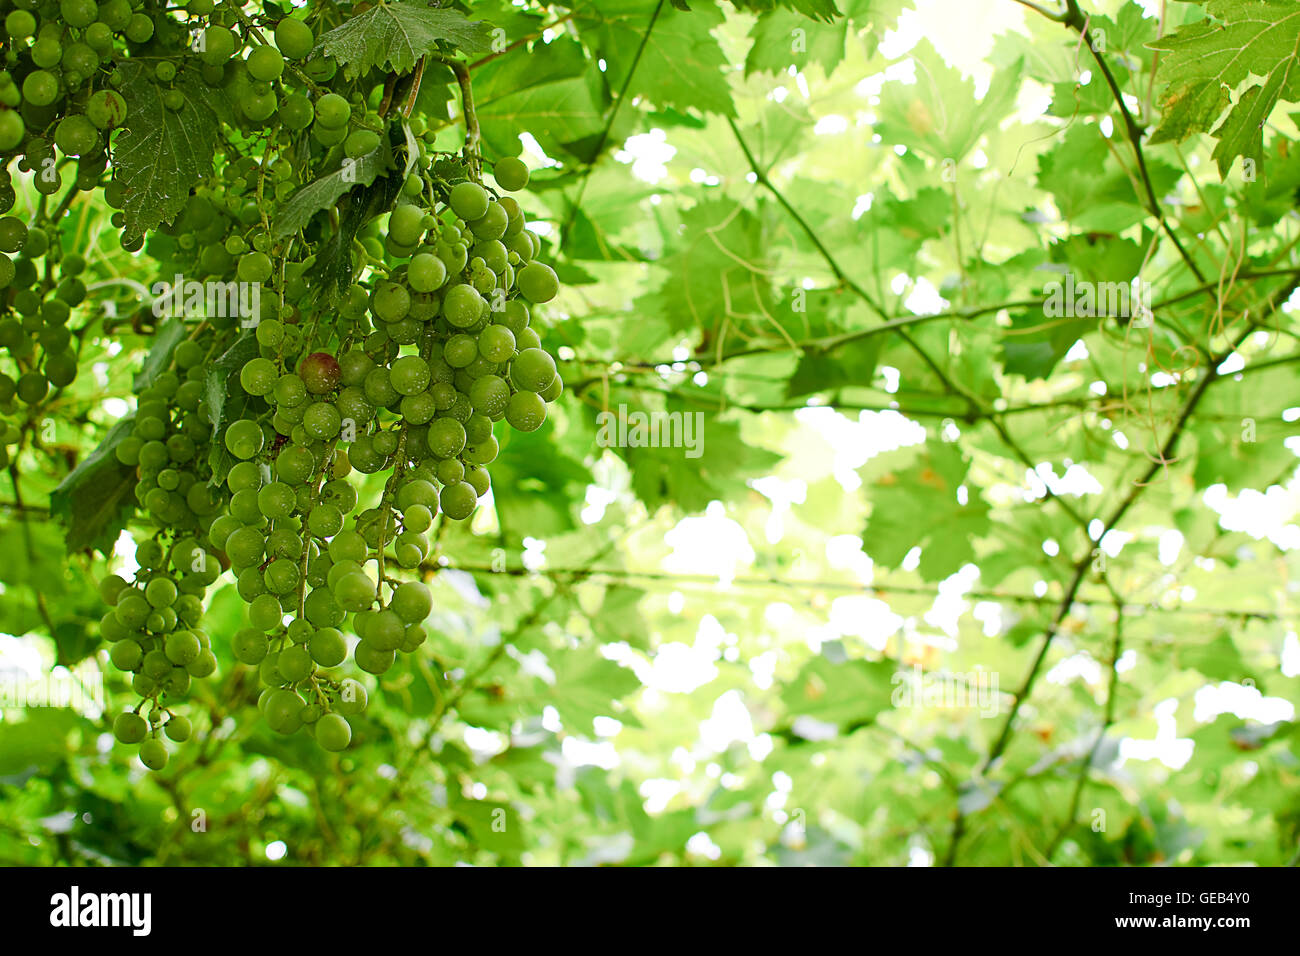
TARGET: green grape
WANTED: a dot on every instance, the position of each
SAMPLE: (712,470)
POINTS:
(353,697)
(526,411)
(468,200)
(178,728)
(327,647)
(249,646)
(333,733)
(490,395)
(458,500)
(496,343)
(259,375)
(294,663)
(372,660)
(153,754)
(129,728)
(463,306)
(510,173)
(245,439)
(446,438)
(284,711)
(538,283)
(264,612)
(294,38)
(426,272)
(532,370)
(412,602)
(20,24)
(40,88)
(492,224)
(332,111)
(182,647)
(265,63)
(409,374)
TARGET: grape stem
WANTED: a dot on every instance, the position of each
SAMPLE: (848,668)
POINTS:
(470,152)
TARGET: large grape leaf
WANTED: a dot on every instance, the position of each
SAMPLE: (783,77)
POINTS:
(160,154)
(97,497)
(851,691)
(1206,61)
(920,507)
(938,114)
(680,63)
(785,38)
(394,35)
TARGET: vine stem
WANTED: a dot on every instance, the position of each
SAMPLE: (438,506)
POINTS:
(1108,718)
(609,123)
(1163,458)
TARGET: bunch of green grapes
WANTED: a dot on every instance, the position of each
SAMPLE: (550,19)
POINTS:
(35,337)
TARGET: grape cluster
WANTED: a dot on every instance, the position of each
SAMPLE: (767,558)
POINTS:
(404,374)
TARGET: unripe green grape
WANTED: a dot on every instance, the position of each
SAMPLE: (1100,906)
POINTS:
(360,143)
(129,728)
(409,375)
(446,438)
(218,44)
(462,306)
(372,660)
(178,728)
(259,375)
(510,173)
(40,88)
(294,38)
(490,395)
(327,647)
(296,112)
(160,592)
(265,63)
(20,24)
(426,272)
(295,663)
(153,754)
(12,131)
(254,267)
(126,656)
(182,647)
(333,733)
(468,200)
(249,646)
(526,411)
(390,302)
(332,111)
(352,697)
(412,602)
(532,370)
(538,282)
(404,224)
(264,612)
(527,339)
(284,711)
(245,439)
(322,421)
(458,500)
(325,520)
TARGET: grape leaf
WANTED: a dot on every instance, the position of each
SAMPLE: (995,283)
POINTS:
(226,401)
(97,497)
(394,35)
(939,114)
(920,507)
(161,153)
(1206,61)
(784,38)
(324,192)
(168,336)
(680,63)
(851,691)
(585,685)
